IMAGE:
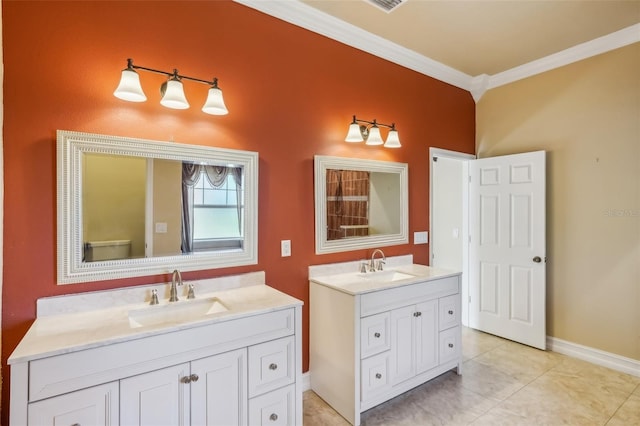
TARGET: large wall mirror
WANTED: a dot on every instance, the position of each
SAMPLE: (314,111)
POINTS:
(360,203)
(132,207)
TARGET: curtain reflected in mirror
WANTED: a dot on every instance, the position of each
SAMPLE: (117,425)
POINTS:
(212,209)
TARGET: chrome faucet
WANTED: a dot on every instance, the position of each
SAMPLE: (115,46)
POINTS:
(174,292)
(377,266)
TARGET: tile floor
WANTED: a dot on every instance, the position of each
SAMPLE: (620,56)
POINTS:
(505,383)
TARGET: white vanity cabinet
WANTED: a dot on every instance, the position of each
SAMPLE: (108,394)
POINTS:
(235,371)
(368,345)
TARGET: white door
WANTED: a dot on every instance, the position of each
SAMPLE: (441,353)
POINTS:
(507,252)
(157,398)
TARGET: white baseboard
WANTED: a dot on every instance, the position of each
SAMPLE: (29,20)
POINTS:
(594,356)
(306,381)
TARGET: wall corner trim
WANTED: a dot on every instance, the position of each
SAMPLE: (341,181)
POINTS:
(594,356)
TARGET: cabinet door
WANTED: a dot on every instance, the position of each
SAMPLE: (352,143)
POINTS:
(156,398)
(97,405)
(219,389)
(426,336)
(403,353)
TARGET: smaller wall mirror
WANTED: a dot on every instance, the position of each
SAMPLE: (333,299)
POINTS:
(360,203)
(132,207)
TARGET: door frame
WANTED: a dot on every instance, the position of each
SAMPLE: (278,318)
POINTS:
(464,158)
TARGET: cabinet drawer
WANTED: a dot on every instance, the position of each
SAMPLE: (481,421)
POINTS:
(388,299)
(374,375)
(274,408)
(271,365)
(449,345)
(374,334)
(449,308)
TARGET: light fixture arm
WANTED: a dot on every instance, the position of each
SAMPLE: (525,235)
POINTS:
(374,123)
(173,74)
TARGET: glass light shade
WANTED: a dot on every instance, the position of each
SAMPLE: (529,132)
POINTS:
(215,103)
(393,141)
(374,136)
(129,88)
(174,95)
(354,134)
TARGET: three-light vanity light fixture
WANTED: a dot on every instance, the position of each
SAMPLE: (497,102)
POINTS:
(172,91)
(370,132)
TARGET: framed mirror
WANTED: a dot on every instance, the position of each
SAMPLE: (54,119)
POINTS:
(360,203)
(133,207)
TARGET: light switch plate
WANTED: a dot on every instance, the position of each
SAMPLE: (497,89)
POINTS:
(421,237)
(161,228)
(285,248)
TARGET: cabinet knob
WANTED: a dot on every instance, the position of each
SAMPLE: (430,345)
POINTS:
(273,366)
(418,314)
(194,377)
(378,376)
(450,345)
(186,379)
(450,312)
(376,335)
(273,417)
(76,424)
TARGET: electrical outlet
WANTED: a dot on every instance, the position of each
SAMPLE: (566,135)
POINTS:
(420,237)
(285,248)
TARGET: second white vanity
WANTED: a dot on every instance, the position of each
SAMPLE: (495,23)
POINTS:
(378,334)
(232,356)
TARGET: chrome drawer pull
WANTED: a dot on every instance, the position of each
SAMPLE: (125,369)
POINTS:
(273,417)
(194,377)
(378,376)
(186,379)
(273,366)
(450,312)
(376,335)
(450,345)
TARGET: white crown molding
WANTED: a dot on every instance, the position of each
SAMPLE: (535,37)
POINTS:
(568,56)
(302,15)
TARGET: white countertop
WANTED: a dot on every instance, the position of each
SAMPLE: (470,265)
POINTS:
(58,333)
(355,283)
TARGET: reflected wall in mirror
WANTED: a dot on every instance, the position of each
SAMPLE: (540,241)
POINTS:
(360,203)
(131,207)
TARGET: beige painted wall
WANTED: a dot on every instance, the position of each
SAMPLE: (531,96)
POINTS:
(587,117)
(167,193)
(113,199)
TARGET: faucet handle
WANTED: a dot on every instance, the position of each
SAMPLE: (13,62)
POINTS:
(191,294)
(379,265)
(154,297)
(363,267)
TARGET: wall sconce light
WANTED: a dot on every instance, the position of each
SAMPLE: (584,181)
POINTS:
(360,132)
(172,91)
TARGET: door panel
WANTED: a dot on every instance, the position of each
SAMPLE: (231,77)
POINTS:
(507,224)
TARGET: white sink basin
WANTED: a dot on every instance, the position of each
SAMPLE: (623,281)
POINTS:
(385,276)
(176,312)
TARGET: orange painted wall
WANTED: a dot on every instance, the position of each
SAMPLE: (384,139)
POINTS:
(291,94)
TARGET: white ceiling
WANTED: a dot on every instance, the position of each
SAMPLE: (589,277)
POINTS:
(475,45)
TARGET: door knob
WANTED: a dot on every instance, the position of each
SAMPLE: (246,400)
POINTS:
(537,259)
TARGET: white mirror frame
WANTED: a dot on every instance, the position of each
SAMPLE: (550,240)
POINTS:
(321,164)
(70,148)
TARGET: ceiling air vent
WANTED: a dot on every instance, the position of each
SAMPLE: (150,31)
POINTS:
(386,5)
